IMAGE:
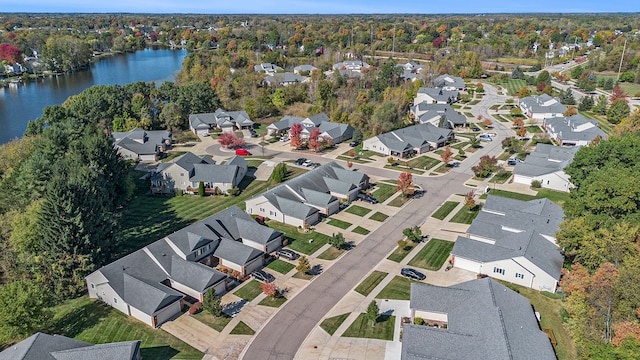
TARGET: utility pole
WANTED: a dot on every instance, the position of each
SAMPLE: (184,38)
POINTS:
(393,46)
(621,58)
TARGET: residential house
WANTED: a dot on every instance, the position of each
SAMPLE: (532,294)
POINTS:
(304,69)
(546,164)
(284,79)
(154,282)
(573,130)
(227,121)
(41,346)
(352,65)
(436,96)
(514,241)
(411,71)
(336,132)
(484,320)
(416,139)
(187,171)
(450,83)
(301,201)
(267,68)
(142,145)
(541,106)
(436,114)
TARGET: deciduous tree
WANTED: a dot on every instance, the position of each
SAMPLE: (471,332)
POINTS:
(405,184)
(314,139)
(303,265)
(295,133)
(373,312)
(447,155)
(212,303)
(269,289)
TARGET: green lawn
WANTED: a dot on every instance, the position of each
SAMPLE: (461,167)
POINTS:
(399,201)
(147,218)
(249,291)
(384,192)
(558,197)
(330,325)
(433,255)
(465,216)
(339,223)
(367,285)
(242,329)
(404,169)
(514,85)
(299,241)
(358,210)
(94,322)
(501,177)
(280,266)
(381,329)
(360,230)
(216,323)
(330,254)
(423,162)
(273,301)
(445,209)
(534,129)
(551,318)
(398,289)
(378,216)
(400,253)
(303,276)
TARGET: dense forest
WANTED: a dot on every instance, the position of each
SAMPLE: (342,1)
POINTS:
(63,188)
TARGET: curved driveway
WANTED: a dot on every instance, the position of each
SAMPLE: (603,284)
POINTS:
(285,332)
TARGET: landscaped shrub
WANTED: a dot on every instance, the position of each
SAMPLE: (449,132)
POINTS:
(195,308)
(536,184)
(418,321)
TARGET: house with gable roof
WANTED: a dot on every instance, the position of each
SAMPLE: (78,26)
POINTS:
(425,112)
(186,172)
(142,145)
(336,132)
(546,164)
(416,139)
(304,69)
(228,121)
(449,82)
(436,96)
(573,130)
(152,283)
(301,201)
(41,346)
(352,65)
(484,320)
(267,68)
(284,79)
(541,106)
(411,71)
(514,241)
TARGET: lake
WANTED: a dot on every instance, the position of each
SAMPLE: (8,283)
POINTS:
(23,102)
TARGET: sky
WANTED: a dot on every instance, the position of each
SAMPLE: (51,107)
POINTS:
(322,6)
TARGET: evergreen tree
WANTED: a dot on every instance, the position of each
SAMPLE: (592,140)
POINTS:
(212,303)
(586,103)
(373,312)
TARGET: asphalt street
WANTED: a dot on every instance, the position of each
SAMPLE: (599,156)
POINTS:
(285,332)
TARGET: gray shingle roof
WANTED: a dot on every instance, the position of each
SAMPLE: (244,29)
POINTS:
(519,229)
(148,296)
(38,346)
(425,112)
(416,136)
(236,252)
(574,128)
(305,67)
(448,80)
(336,130)
(140,141)
(223,118)
(290,197)
(546,159)
(194,275)
(439,94)
(127,350)
(486,320)
(285,78)
(543,104)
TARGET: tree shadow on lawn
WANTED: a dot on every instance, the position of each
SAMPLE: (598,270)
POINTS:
(80,319)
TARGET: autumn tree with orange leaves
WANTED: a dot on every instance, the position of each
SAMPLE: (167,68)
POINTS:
(405,184)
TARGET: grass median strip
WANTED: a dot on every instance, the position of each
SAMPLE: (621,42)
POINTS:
(400,253)
(432,255)
(358,210)
(242,329)
(330,325)
(362,328)
(249,291)
(272,301)
(281,266)
(304,242)
(445,210)
(368,284)
(465,216)
(330,254)
(398,289)
(379,217)
(360,230)
(339,223)
(217,323)
(384,192)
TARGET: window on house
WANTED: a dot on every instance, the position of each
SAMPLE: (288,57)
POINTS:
(115,301)
(520,276)
(498,270)
(92,286)
(182,174)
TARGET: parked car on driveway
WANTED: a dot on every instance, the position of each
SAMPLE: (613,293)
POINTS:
(484,137)
(307,163)
(368,198)
(284,139)
(514,161)
(412,274)
(353,144)
(300,161)
(263,276)
(287,254)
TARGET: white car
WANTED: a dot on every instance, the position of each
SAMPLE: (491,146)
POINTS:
(485,138)
(307,163)
(284,139)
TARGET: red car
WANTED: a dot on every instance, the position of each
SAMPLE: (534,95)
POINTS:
(242,152)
